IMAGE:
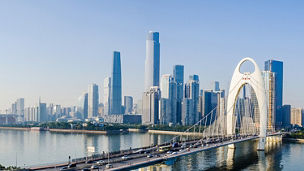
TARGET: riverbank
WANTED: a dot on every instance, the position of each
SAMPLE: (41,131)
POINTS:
(110,132)
(294,140)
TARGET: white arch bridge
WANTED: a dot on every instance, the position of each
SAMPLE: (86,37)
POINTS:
(213,130)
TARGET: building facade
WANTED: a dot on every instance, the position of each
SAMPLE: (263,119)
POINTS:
(151,106)
(178,75)
(152,63)
(128,104)
(93,100)
(115,95)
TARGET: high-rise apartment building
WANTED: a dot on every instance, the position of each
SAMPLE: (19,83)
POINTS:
(115,95)
(296,117)
(106,96)
(152,63)
(269,82)
(178,75)
(187,112)
(150,105)
(277,68)
(93,100)
(128,104)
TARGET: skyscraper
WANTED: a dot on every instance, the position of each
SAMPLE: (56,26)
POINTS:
(269,82)
(277,68)
(169,92)
(178,75)
(93,100)
(152,63)
(296,117)
(128,104)
(106,97)
(216,86)
(151,106)
(192,92)
(83,104)
(115,95)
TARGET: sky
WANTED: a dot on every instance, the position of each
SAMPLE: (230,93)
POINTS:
(54,49)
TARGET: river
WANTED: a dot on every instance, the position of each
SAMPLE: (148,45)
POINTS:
(32,148)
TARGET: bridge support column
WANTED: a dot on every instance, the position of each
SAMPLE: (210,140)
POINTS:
(231,146)
(261,145)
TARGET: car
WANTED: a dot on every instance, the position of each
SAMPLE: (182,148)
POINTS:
(100,162)
(64,168)
(149,155)
(125,157)
(72,165)
(169,152)
(108,166)
(89,161)
(94,167)
(173,153)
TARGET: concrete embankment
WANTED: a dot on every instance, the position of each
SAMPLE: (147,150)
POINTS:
(294,140)
(16,128)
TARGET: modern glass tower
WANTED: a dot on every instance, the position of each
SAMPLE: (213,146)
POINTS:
(178,75)
(106,97)
(277,68)
(93,100)
(152,63)
(115,95)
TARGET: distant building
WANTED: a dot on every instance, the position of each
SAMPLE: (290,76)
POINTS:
(151,106)
(165,114)
(93,100)
(128,104)
(192,92)
(285,113)
(187,111)
(83,105)
(269,81)
(216,86)
(152,63)
(168,90)
(123,119)
(106,97)
(178,75)
(296,117)
(276,67)
(115,95)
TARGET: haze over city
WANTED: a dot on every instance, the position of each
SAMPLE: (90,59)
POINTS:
(54,49)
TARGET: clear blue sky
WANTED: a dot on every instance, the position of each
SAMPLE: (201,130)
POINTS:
(55,48)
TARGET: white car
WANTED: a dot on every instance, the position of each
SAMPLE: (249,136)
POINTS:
(108,166)
(125,157)
(173,153)
(100,162)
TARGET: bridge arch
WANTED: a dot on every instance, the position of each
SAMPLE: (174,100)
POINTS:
(255,80)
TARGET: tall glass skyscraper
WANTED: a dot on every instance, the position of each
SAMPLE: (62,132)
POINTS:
(277,68)
(93,100)
(178,75)
(106,97)
(115,95)
(152,63)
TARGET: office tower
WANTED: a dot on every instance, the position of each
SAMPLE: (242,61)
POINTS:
(178,75)
(187,112)
(216,86)
(83,105)
(151,106)
(93,100)
(277,68)
(100,109)
(20,106)
(165,115)
(285,113)
(152,63)
(128,104)
(212,105)
(115,95)
(168,90)
(296,117)
(192,92)
(269,82)
(106,97)
(42,112)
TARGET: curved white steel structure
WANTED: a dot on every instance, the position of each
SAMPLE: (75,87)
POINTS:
(255,80)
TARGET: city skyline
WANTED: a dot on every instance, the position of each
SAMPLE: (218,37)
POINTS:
(30,72)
